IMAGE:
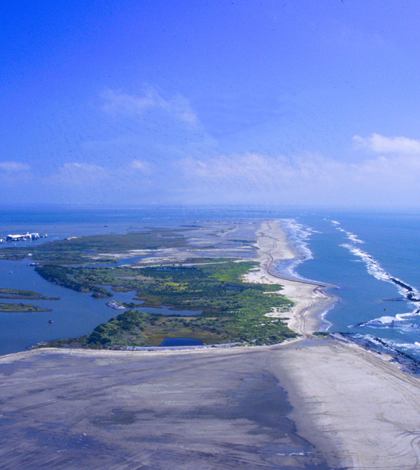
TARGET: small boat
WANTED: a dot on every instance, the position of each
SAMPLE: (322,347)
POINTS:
(50,321)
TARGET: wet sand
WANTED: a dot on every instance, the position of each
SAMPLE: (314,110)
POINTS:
(222,409)
(345,408)
(356,402)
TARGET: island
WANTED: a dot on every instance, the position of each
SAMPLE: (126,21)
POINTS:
(23,294)
(9,307)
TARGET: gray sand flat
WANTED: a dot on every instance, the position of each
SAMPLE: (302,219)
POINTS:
(119,410)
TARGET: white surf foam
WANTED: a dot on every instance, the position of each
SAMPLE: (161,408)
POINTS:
(351,236)
(299,235)
(375,269)
(412,347)
(327,324)
(398,322)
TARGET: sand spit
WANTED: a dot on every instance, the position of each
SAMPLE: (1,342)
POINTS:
(221,409)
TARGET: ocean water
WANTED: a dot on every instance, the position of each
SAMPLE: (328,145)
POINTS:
(372,258)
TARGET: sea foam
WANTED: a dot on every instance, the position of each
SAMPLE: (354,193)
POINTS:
(410,293)
(299,235)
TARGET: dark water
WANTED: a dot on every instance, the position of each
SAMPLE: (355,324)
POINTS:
(181,342)
(74,314)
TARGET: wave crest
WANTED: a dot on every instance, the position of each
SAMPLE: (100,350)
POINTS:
(410,293)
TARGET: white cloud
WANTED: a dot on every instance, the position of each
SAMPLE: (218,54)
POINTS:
(15,176)
(248,178)
(119,103)
(80,174)
(98,181)
(380,144)
(260,168)
(141,165)
(14,166)
(308,179)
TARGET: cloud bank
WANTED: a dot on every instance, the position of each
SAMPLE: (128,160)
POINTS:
(249,178)
(307,179)
(377,143)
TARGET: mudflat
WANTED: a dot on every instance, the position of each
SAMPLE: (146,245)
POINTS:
(219,409)
(311,404)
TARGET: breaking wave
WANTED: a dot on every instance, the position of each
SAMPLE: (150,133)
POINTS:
(299,235)
(399,351)
(408,292)
(398,322)
(351,236)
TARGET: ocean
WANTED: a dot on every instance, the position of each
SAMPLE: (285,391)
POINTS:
(371,258)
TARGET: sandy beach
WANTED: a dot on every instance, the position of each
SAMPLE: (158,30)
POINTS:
(311,403)
(355,401)
(310,301)
(344,397)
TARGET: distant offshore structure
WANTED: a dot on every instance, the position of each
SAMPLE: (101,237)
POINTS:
(22,238)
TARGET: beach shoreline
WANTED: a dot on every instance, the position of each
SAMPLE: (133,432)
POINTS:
(343,395)
(274,245)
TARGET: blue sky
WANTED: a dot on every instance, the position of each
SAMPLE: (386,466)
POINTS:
(276,102)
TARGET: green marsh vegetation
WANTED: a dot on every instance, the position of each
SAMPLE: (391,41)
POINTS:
(21,308)
(232,310)
(321,334)
(23,294)
(224,308)
(16,294)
